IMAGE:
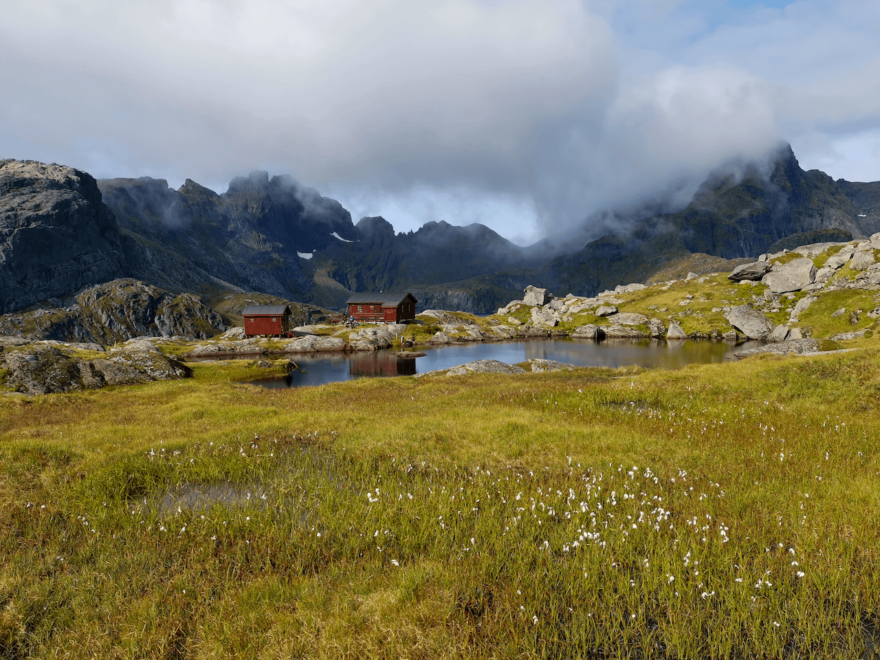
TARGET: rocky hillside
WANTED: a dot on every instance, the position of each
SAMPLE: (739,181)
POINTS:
(115,312)
(56,235)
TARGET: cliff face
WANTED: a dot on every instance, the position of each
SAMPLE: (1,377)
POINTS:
(56,235)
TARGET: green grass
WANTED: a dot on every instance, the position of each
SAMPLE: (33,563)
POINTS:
(584,514)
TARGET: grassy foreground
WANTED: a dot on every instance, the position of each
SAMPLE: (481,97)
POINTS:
(717,511)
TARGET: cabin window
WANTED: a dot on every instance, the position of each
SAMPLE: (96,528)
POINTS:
(360,308)
(251,320)
(273,319)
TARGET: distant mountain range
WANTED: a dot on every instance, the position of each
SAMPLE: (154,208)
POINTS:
(60,230)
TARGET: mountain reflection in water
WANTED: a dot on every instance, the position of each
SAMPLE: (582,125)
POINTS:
(319,369)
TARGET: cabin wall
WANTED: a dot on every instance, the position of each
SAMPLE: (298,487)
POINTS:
(264,325)
(366,312)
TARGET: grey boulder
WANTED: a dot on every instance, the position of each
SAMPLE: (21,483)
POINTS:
(675,332)
(535,296)
(754,271)
(606,310)
(485,367)
(780,333)
(540,365)
(589,331)
(793,276)
(752,323)
(628,318)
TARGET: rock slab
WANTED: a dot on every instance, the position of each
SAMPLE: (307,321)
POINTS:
(793,276)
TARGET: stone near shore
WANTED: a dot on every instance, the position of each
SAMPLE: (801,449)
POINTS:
(675,332)
(790,347)
(752,323)
(539,365)
(606,310)
(485,367)
(589,331)
(620,332)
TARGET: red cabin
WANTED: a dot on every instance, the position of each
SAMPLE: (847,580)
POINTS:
(382,307)
(270,320)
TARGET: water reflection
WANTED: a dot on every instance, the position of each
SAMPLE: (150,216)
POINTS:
(319,369)
(381,364)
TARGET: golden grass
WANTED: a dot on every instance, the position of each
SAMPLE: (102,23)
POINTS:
(531,516)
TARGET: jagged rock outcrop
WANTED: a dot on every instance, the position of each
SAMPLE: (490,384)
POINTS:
(118,311)
(56,234)
(46,368)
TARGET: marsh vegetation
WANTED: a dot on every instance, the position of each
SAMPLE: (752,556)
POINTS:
(714,511)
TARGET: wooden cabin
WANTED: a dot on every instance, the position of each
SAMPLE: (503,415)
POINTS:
(266,320)
(382,307)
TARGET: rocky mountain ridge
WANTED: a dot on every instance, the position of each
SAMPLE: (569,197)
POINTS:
(60,230)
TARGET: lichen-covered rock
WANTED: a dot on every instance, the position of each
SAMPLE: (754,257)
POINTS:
(606,310)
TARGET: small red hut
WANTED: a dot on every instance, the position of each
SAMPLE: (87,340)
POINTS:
(382,307)
(271,320)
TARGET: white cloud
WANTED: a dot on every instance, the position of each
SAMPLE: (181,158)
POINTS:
(526,115)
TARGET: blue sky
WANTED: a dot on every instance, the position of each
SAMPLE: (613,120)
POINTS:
(526,115)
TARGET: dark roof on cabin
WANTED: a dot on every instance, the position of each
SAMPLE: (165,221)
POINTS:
(385,299)
(265,310)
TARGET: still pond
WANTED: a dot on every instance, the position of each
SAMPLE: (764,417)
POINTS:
(319,369)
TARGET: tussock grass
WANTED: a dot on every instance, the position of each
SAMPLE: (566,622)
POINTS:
(716,511)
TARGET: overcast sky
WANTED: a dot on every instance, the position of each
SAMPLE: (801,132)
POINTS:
(526,115)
